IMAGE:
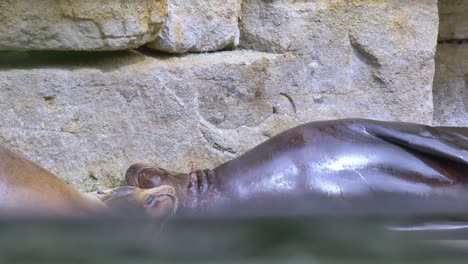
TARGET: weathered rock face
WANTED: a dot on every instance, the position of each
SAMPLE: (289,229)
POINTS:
(199,25)
(451,85)
(384,48)
(79,25)
(88,116)
(451,76)
(453,19)
(87,119)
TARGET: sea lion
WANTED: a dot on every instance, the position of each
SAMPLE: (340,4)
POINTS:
(29,190)
(340,158)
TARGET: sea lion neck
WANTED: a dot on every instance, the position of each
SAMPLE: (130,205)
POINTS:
(202,189)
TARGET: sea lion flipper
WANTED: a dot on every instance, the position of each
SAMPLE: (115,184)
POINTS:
(103,195)
(449,143)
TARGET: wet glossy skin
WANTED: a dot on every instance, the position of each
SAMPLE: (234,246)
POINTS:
(341,158)
(338,159)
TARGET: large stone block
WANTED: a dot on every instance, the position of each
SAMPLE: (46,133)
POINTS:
(88,116)
(79,25)
(453,19)
(451,85)
(199,25)
(358,48)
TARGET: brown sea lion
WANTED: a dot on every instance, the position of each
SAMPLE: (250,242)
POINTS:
(29,190)
(341,158)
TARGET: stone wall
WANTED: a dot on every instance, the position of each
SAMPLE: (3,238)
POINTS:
(87,115)
(451,76)
(79,25)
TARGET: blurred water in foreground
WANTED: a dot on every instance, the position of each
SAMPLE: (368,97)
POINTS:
(316,231)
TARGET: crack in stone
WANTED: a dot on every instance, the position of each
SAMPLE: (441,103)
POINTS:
(291,101)
(24,129)
(453,41)
(364,55)
(215,145)
(221,148)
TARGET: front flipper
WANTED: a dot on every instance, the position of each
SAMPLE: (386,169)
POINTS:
(450,143)
(104,195)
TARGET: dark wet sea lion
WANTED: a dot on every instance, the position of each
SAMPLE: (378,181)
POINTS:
(341,158)
(29,190)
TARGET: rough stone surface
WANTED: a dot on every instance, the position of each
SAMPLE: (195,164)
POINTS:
(199,25)
(451,76)
(356,48)
(453,19)
(451,85)
(88,116)
(79,25)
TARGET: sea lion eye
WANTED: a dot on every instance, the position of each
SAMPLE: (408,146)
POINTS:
(151,178)
(156,181)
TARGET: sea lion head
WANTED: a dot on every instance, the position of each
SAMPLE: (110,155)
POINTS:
(147,176)
(158,202)
(195,189)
